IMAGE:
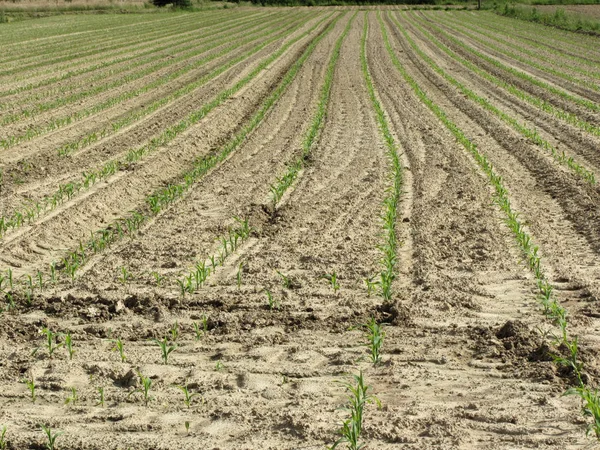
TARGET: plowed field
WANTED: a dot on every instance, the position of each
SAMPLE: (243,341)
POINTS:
(217,203)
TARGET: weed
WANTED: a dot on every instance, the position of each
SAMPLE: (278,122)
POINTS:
(165,348)
(51,444)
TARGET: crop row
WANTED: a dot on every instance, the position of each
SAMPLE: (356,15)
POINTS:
(527,60)
(129,52)
(248,35)
(178,51)
(531,134)
(530,251)
(67,191)
(588,104)
(162,198)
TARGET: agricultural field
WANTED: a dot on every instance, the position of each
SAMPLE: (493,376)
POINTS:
(267,228)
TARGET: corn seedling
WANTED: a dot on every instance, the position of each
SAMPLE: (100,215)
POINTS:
(188,396)
(273,303)
(69,345)
(590,407)
(144,389)
(119,347)
(239,274)
(125,276)
(286,282)
(165,349)
(375,336)
(371,285)
(358,397)
(333,281)
(174,331)
(51,344)
(72,398)
(219,366)
(201,330)
(3,441)
(31,386)
(100,391)
(187,426)
(158,278)
(51,444)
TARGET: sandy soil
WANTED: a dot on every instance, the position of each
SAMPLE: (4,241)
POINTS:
(464,363)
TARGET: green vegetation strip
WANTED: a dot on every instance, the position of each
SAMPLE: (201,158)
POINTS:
(559,113)
(67,191)
(128,56)
(284,182)
(530,134)
(389,247)
(224,34)
(521,48)
(54,124)
(552,309)
(460,28)
(164,197)
(588,104)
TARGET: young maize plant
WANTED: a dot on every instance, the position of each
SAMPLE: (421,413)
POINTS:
(51,344)
(286,281)
(51,437)
(375,336)
(174,331)
(553,310)
(272,302)
(165,348)
(188,396)
(119,347)
(389,246)
(333,281)
(72,398)
(100,391)
(31,386)
(358,398)
(203,329)
(144,389)
(3,441)
(69,345)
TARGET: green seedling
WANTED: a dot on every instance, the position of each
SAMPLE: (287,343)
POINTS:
(590,407)
(3,441)
(40,278)
(53,273)
(31,386)
(371,285)
(333,281)
(358,397)
(273,302)
(51,344)
(375,336)
(285,280)
(219,366)
(201,330)
(239,274)
(188,396)
(158,278)
(72,398)
(100,391)
(174,331)
(166,349)
(125,276)
(144,389)
(69,345)
(51,444)
(119,347)
(187,426)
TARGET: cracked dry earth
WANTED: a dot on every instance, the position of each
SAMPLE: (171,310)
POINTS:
(467,355)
